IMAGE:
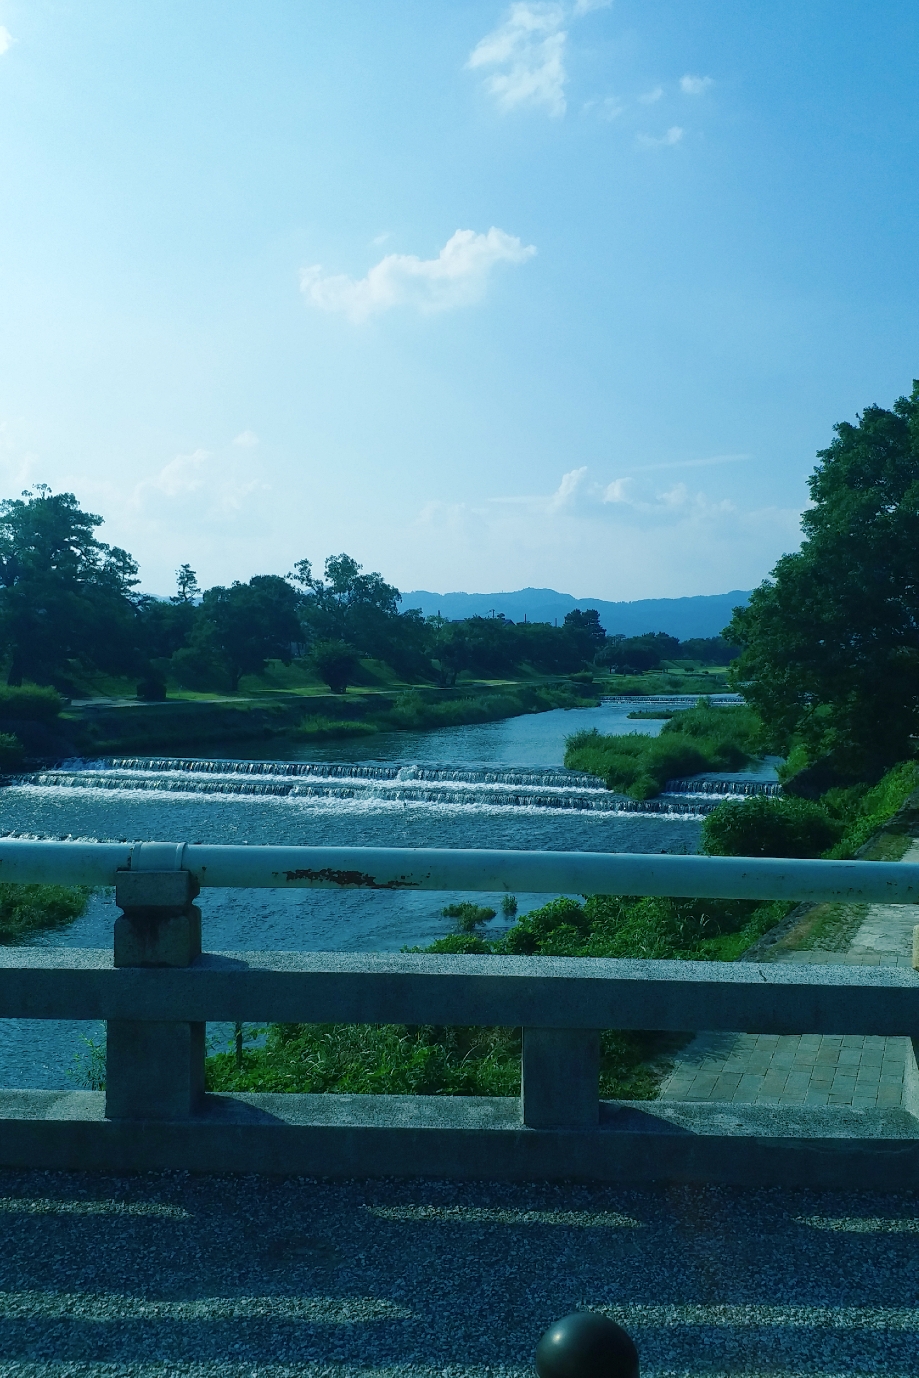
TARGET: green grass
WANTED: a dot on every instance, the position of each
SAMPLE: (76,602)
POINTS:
(414,711)
(317,728)
(404,1060)
(26,909)
(863,810)
(698,739)
(394,1059)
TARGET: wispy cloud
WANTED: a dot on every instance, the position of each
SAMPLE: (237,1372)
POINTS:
(197,472)
(613,533)
(246,440)
(650,97)
(456,277)
(673,136)
(181,475)
(527,55)
(6,40)
(695,86)
(608,108)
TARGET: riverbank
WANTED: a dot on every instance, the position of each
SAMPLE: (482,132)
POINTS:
(195,726)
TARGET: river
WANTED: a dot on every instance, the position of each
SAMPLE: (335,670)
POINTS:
(499,784)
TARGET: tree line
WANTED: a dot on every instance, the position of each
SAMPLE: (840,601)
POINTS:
(70,608)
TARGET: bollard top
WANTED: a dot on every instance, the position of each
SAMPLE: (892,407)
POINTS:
(586,1345)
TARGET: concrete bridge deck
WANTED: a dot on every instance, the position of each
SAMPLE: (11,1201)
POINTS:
(248,1277)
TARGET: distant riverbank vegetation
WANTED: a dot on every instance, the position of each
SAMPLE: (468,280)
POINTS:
(72,619)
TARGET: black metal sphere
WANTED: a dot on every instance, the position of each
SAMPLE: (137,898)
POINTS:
(586,1345)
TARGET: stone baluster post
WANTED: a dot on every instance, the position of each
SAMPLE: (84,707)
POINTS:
(155,1069)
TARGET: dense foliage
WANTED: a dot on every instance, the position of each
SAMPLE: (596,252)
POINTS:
(70,610)
(65,597)
(761,826)
(830,643)
(698,739)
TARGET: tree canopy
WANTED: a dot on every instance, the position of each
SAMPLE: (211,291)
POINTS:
(70,611)
(830,642)
(66,598)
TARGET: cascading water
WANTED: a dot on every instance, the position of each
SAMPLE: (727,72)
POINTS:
(455,786)
(723,788)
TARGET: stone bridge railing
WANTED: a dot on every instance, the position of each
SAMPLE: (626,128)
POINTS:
(156,990)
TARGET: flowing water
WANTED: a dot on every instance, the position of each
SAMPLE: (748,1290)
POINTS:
(496,785)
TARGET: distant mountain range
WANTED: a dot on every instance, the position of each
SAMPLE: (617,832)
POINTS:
(704,615)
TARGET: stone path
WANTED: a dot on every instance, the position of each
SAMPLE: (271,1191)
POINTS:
(808,1069)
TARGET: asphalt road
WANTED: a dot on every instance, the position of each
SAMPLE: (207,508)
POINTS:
(169,1274)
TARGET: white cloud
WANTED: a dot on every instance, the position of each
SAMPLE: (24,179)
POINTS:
(617,491)
(650,97)
(528,54)
(673,136)
(588,6)
(246,439)
(625,539)
(568,489)
(180,476)
(695,86)
(6,40)
(199,472)
(457,276)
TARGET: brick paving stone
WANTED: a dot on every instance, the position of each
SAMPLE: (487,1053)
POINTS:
(862,1070)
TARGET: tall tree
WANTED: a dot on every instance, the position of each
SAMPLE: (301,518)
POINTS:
(187,590)
(349,606)
(66,598)
(830,642)
(246,625)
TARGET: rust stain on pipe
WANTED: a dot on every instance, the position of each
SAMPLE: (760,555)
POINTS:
(354,879)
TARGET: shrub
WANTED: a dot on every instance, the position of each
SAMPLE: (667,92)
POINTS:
(30,703)
(763,826)
(468,916)
(152,688)
(336,663)
(509,906)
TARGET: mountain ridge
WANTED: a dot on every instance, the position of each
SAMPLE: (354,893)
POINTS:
(703,614)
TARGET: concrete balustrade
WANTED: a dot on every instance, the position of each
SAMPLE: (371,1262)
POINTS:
(156,990)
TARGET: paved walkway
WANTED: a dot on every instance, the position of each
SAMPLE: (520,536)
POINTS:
(809,1069)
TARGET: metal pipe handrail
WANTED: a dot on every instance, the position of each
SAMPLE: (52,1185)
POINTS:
(407,868)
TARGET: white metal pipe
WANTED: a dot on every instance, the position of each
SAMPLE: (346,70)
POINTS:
(404,868)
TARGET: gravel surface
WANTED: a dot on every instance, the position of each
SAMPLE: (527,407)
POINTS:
(169,1274)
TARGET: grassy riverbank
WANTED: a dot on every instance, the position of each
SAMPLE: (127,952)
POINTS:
(698,739)
(191,726)
(29,909)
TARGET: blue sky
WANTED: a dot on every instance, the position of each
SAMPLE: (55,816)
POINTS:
(562,294)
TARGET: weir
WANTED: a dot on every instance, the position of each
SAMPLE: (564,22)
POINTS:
(723,788)
(457,786)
